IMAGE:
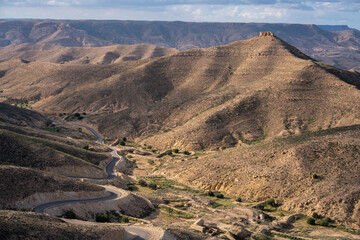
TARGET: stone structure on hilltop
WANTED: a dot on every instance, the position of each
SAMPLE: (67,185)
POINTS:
(266,34)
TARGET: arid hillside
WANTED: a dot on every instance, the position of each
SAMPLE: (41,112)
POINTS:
(243,92)
(317,171)
(18,183)
(82,55)
(26,225)
(335,47)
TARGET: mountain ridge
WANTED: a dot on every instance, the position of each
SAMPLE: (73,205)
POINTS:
(340,48)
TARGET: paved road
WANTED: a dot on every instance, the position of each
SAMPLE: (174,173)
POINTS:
(133,233)
(41,208)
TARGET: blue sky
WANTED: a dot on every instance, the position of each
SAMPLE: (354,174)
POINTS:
(332,12)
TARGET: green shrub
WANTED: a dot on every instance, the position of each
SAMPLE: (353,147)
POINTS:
(125,219)
(131,187)
(142,183)
(315,215)
(324,223)
(219,195)
(315,176)
(271,202)
(69,214)
(102,217)
(153,186)
(176,150)
(210,193)
(122,143)
(310,221)
(77,115)
(60,114)
(238,199)
(186,152)
(124,139)
(25,209)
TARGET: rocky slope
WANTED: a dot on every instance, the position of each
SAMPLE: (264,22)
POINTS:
(336,47)
(25,225)
(205,98)
(82,55)
(314,172)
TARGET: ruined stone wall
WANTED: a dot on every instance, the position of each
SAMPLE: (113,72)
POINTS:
(266,34)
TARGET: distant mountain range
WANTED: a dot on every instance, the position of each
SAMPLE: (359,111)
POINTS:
(337,45)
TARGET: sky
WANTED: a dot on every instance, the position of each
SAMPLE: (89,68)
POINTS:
(325,12)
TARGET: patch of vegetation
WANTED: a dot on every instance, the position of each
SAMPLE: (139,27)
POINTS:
(164,183)
(111,216)
(210,193)
(23,104)
(269,205)
(142,183)
(315,176)
(238,199)
(153,186)
(70,214)
(175,212)
(219,195)
(151,162)
(25,209)
(288,236)
(132,144)
(310,221)
(175,150)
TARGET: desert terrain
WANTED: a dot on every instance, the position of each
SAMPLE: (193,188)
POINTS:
(248,140)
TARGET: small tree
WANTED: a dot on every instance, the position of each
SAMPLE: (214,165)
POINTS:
(210,193)
(124,139)
(310,221)
(238,199)
(315,215)
(142,183)
(69,214)
(176,150)
(219,195)
(153,186)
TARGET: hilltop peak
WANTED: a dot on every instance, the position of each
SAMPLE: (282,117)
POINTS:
(266,34)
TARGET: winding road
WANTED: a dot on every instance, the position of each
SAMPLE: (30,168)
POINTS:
(133,233)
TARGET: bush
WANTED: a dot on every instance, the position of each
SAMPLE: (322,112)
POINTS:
(60,114)
(315,215)
(25,209)
(176,150)
(131,187)
(219,195)
(210,193)
(80,117)
(69,214)
(324,223)
(151,161)
(271,202)
(186,152)
(315,176)
(122,143)
(124,139)
(153,186)
(77,115)
(238,199)
(142,183)
(125,219)
(310,221)
(102,217)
